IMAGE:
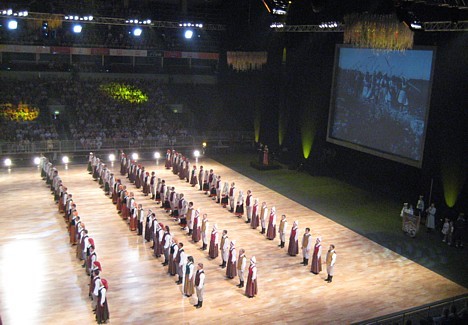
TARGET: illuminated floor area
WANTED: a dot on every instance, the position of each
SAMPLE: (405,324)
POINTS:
(370,280)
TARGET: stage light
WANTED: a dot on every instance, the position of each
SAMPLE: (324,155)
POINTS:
(7,162)
(196,153)
(12,24)
(137,32)
(204,144)
(111,157)
(416,25)
(9,12)
(188,34)
(77,29)
(277,25)
(134,156)
(65,159)
(157,155)
(37,161)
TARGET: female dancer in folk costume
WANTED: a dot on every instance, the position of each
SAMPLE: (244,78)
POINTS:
(201,176)
(206,184)
(102,308)
(293,248)
(196,235)
(240,205)
(157,196)
(214,243)
(255,219)
(146,184)
(225,194)
(271,232)
(189,277)
(194,177)
(148,224)
(213,186)
(263,216)
(251,287)
(168,163)
(231,270)
(316,265)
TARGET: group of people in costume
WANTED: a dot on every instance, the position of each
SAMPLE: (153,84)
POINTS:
(79,237)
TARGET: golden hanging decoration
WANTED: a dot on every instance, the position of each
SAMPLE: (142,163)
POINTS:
(383,32)
(246,61)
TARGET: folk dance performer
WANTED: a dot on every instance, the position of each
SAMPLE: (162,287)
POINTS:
(183,209)
(206,184)
(241,265)
(181,261)
(94,288)
(213,187)
(166,244)
(123,164)
(225,195)
(159,191)
(255,219)
(201,175)
(213,251)
(240,205)
(190,216)
(271,232)
(102,309)
(204,232)
(194,177)
(282,230)
(168,163)
(172,200)
(187,171)
(200,284)
(173,256)
(196,226)
(331,260)
(148,224)
(306,246)
(189,277)
(218,189)
(141,219)
(152,184)
(133,216)
(293,248)
(263,216)
(146,184)
(224,248)
(167,200)
(316,264)
(249,206)
(137,177)
(232,196)
(90,159)
(211,179)
(251,288)
(159,240)
(231,270)
(111,185)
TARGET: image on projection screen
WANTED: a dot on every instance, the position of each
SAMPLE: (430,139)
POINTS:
(380,102)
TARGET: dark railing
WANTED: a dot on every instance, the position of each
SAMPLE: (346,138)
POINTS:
(215,142)
(428,311)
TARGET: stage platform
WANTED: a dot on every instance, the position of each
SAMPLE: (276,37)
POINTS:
(39,268)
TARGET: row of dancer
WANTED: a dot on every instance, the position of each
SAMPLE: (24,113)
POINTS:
(255,216)
(186,215)
(163,241)
(79,237)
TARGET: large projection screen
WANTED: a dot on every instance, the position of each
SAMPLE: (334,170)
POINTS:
(380,101)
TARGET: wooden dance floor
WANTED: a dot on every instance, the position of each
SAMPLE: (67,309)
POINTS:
(42,282)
